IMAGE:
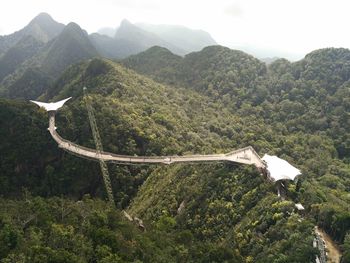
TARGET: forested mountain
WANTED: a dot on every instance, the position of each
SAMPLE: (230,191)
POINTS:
(215,70)
(32,58)
(24,49)
(211,101)
(32,68)
(306,100)
(147,122)
(309,96)
(70,47)
(158,63)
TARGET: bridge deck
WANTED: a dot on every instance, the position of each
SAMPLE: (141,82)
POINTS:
(245,155)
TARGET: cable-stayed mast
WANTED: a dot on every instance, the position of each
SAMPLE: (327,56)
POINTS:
(99,147)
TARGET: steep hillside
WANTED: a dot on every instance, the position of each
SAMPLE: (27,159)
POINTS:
(219,100)
(149,118)
(308,96)
(158,63)
(26,147)
(215,70)
(229,205)
(34,73)
(329,67)
(139,116)
(70,47)
(43,28)
(24,49)
(312,95)
(222,70)
(304,102)
(28,84)
(61,230)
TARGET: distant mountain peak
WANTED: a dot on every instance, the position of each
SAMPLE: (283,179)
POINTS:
(43,27)
(71,46)
(42,17)
(126,22)
(126,27)
(73,27)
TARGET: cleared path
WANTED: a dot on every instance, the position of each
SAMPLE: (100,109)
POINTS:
(333,252)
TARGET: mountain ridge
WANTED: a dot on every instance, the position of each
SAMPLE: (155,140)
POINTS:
(71,46)
(130,40)
(24,49)
(37,72)
(210,101)
(228,99)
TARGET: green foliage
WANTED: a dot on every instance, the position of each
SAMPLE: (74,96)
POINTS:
(88,231)
(223,100)
(28,85)
(215,70)
(346,249)
(223,205)
(27,47)
(302,107)
(157,62)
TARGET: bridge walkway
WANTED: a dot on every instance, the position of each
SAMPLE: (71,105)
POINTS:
(245,155)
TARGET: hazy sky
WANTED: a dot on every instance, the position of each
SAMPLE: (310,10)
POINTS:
(281,27)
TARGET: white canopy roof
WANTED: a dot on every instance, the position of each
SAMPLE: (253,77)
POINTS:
(280,169)
(51,106)
(299,206)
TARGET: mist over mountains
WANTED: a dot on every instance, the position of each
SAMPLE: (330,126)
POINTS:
(44,48)
(186,40)
(178,39)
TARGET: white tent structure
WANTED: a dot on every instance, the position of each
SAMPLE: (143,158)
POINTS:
(51,106)
(299,206)
(279,169)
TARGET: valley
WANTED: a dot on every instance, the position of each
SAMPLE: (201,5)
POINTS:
(53,205)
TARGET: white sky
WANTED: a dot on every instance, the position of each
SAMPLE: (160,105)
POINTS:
(289,27)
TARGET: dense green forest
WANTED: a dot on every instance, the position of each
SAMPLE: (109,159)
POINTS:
(212,101)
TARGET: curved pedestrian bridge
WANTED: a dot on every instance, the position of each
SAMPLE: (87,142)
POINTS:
(245,155)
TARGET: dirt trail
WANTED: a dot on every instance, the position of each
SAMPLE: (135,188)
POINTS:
(334,254)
